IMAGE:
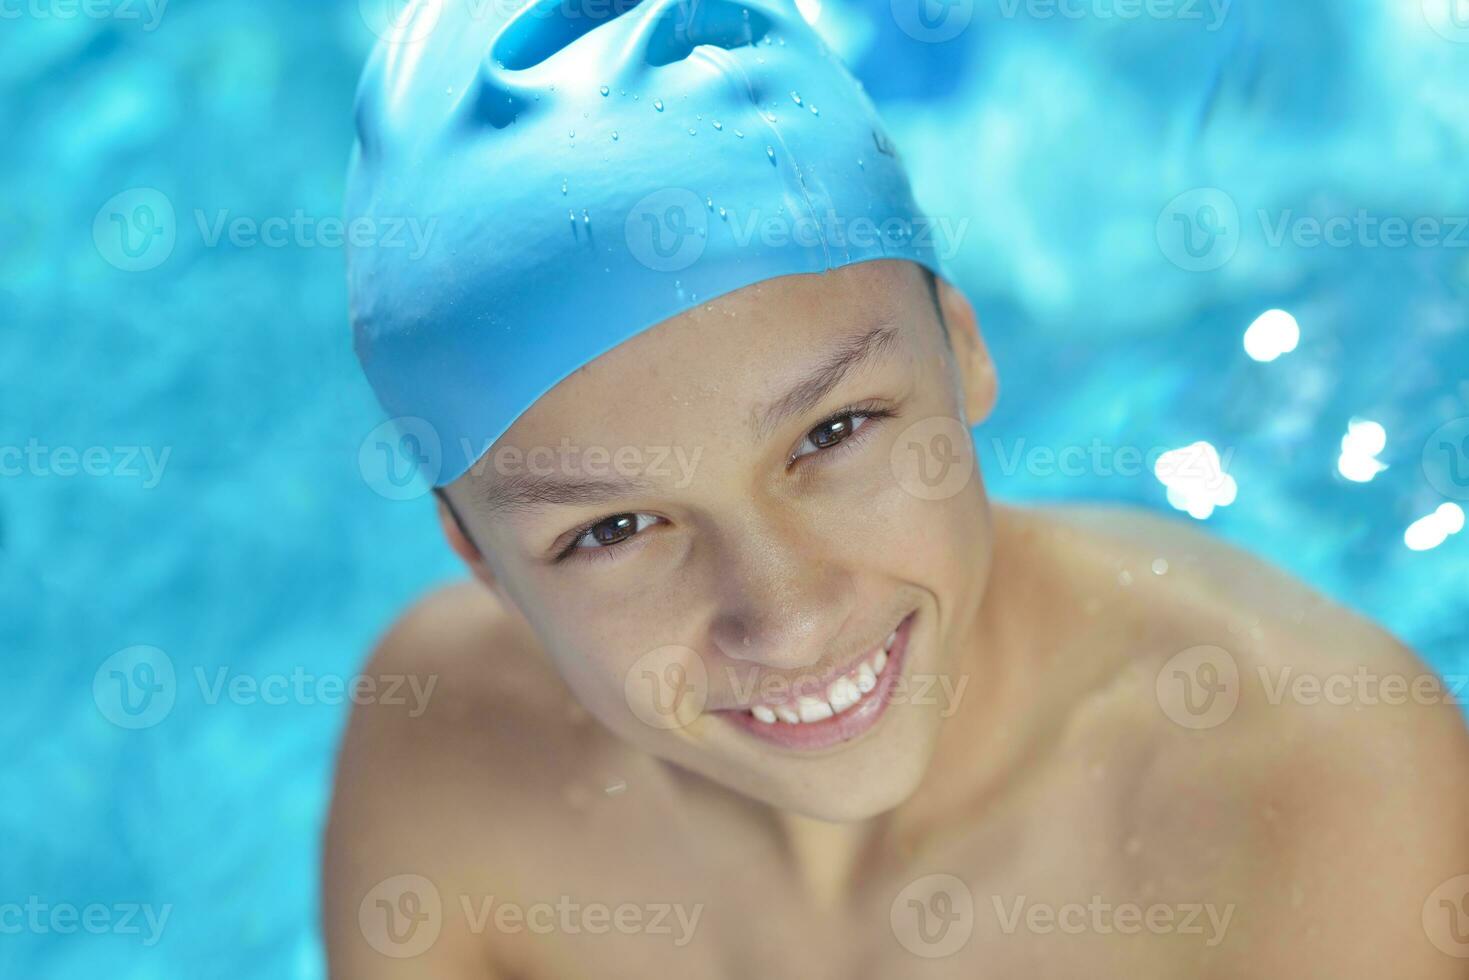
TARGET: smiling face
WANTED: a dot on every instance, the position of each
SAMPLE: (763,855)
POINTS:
(753,538)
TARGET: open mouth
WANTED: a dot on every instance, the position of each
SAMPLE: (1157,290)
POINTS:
(848,706)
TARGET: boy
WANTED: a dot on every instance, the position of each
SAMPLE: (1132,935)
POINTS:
(753,679)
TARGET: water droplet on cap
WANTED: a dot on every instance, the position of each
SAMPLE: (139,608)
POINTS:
(658,104)
(796,97)
(604,90)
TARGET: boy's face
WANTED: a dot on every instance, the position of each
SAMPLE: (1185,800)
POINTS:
(723,521)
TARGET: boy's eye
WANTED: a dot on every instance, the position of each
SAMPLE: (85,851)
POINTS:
(831,432)
(613,530)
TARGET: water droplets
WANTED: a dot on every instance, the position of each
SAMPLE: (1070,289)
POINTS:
(658,104)
(563,185)
(739,135)
(796,97)
(770,152)
(605,91)
(717,124)
(614,136)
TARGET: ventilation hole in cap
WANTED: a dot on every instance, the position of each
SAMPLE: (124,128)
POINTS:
(685,26)
(543,28)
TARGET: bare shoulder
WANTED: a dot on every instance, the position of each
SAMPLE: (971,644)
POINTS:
(1307,763)
(446,793)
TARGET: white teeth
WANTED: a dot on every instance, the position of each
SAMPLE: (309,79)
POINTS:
(843,693)
(813,709)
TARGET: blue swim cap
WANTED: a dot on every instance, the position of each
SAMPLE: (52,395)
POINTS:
(581,170)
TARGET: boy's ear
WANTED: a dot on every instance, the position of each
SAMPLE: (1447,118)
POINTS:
(459,540)
(976,369)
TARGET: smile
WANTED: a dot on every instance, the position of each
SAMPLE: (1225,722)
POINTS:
(848,706)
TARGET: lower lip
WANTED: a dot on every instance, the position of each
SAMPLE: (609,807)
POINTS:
(850,724)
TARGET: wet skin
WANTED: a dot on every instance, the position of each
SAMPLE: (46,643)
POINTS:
(1045,766)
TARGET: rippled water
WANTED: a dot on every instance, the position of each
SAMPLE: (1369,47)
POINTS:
(1072,153)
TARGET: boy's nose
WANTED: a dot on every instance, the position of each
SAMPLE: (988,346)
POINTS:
(781,606)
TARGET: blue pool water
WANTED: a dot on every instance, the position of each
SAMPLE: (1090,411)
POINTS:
(1137,192)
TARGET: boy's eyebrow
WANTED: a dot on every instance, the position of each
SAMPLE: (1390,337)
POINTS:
(810,390)
(525,491)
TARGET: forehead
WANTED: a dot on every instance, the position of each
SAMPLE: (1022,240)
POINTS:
(726,358)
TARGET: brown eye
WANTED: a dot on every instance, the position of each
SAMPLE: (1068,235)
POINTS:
(831,432)
(614,529)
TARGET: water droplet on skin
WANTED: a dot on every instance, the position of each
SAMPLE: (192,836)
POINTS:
(615,787)
(1160,566)
(796,97)
(658,104)
(718,124)
(605,91)
(1124,578)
